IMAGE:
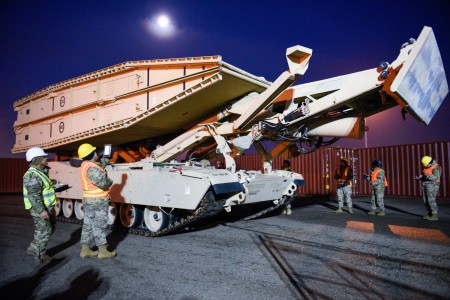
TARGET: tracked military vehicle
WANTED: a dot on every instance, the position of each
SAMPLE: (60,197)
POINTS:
(153,111)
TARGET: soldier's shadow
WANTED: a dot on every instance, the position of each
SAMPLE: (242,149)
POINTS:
(84,283)
(74,239)
(25,287)
(401,211)
(116,237)
(367,203)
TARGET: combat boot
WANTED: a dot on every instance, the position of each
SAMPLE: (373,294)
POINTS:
(44,258)
(104,253)
(87,252)
(350,210)
(30,252)
(372,212)
(381,213)
(433,217)
(339,210)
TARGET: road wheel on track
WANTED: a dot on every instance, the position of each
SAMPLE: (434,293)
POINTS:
(130,215)
(57,207)
(155,219)
(79,211)
(67,208)
(112,213)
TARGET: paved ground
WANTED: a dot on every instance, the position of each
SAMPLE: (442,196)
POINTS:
(313,254)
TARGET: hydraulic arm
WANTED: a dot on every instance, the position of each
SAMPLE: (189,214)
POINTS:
(334,107)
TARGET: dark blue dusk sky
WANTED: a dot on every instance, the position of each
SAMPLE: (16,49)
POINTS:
(45,42)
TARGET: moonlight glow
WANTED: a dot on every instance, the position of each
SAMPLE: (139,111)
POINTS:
(163,21)
(160,26)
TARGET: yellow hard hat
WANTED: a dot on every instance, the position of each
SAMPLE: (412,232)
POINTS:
(426,160)
(85,149)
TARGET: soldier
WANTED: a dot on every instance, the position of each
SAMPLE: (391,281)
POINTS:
(378,182)
(344,177)
(39,198)
(287,167)
(95,185)
(430,184)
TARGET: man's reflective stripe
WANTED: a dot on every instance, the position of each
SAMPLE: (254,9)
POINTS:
(48,194)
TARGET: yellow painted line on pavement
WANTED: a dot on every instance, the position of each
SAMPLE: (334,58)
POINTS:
(420,233)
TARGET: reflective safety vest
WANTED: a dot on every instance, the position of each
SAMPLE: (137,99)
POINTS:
(344,176)
(429,171)
(90,190)
(375,175)
(48,193)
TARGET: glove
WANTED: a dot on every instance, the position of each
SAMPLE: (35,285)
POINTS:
(366,177)
(104,161)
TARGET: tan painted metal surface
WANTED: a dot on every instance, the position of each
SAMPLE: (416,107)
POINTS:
(334,107)
(129,102)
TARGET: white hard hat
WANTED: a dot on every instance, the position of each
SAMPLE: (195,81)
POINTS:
(35,152)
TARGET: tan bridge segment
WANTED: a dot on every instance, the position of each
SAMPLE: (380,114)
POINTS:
(129,102)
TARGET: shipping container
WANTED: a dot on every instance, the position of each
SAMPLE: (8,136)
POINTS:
(11,173)
(403,163)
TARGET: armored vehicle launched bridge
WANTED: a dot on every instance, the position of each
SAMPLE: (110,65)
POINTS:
(158,109)
(129,102)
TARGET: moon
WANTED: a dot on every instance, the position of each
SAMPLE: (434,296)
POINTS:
(161,26)
(163,21)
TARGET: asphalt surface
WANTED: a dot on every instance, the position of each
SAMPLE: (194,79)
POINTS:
(312,254)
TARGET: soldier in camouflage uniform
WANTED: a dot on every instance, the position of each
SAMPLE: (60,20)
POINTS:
(431,180)
(378,182)
(344,177)
(39,199)
(287,167)
(95,185)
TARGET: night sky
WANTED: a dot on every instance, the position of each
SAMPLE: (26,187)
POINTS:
(45,42)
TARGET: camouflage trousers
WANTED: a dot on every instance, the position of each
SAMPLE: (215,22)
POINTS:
(344,193)
(430,192)
(377,198)
(95,221)
(42,232)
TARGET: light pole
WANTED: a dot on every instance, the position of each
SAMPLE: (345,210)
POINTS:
(365,135)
